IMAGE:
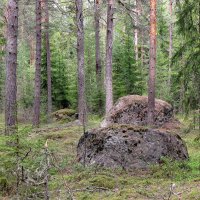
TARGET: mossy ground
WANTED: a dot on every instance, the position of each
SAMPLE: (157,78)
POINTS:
(94,183)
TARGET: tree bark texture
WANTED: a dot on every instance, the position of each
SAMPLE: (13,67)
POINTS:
(170,40)
(97,40)
(152,66)
(141,35)
(32,51)
(37,96)
(109,47)
(80,59)
(142,48)
(97,53)
(136,30)
(11,66)
(48,58)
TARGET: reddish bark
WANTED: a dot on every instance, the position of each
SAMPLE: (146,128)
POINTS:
(11,66)
(152,65)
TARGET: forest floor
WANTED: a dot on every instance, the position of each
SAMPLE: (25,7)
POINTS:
(71,180)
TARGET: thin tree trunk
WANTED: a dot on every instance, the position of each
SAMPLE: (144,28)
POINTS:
(152,66)
(140,12)
(142,48)
(48,57)
(97,39)
(80,58)
(170,41)
(11,66)
(97,53)
(198,87)
(32,51)
(36,110)
(109,46)
(136,31)
(181,94)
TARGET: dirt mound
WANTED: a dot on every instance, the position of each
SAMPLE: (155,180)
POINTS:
(129,147)
(132,109)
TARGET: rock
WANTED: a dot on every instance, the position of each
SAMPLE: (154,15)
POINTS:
(65,115)
(129,147)
(132,109)
(125,141)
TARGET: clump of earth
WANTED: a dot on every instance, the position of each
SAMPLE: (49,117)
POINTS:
(125,141)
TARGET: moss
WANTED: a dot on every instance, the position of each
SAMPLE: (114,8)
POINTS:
(122,185)
(193,194)
(84,196)
(66,120)
(54,136)
(66,111)
(128,127)
(64,115)
(145,192)
(3,183)
(102,181)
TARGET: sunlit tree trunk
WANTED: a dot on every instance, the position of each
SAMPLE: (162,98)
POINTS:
(11,66)
(80,59)
(37,97)
(109,47)
(152,65)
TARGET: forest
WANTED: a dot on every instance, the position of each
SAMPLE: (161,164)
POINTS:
(100,99)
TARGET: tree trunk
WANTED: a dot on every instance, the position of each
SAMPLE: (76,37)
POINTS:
(11,66)
(97,54)
(181,96)
(142,38)
(152,66)
(136,30)
(80,58)
(142,48)
(48,57)
(170,41)
(32,51)
(109,45)
(97,39)
(198,87)
(36,110)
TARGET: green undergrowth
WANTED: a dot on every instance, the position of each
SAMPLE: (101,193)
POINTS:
(69,178)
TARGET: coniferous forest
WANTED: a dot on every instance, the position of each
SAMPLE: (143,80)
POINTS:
(100,99)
